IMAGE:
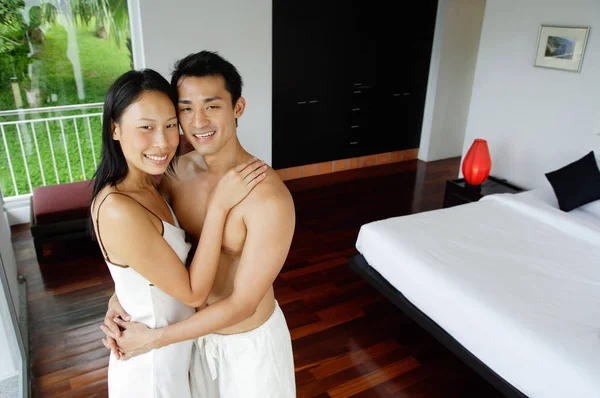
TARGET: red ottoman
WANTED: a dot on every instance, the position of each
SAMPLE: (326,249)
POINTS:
(60,212)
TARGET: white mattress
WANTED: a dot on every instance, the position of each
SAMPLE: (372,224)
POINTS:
(512,278)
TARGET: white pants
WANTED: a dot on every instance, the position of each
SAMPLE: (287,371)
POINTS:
(258,363)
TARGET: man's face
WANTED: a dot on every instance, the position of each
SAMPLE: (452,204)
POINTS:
(206,114)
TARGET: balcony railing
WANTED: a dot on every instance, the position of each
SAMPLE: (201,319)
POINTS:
(48,146)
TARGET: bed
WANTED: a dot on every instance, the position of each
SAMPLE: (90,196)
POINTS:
(510,283)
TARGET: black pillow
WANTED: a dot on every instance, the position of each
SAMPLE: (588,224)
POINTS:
(577,183)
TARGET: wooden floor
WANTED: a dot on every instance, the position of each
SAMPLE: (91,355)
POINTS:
(348,339)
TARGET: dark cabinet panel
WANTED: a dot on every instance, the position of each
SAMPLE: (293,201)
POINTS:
(349,79)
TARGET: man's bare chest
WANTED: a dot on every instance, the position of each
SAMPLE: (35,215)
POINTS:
(190,203)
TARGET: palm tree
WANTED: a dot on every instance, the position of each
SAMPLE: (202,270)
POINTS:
(20,29)
(112,21)
(11,25)
(111,17)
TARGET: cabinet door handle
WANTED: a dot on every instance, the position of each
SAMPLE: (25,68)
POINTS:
(358,84)
(354,142)
(355,126)
(313,101)
(301,102)
(357,91)
(355,109)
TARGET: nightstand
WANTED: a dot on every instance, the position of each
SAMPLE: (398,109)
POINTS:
(458,192)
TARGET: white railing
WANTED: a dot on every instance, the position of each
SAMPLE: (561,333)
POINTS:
(78,107)
(48,150)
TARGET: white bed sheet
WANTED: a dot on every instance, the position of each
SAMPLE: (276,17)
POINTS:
(512,278)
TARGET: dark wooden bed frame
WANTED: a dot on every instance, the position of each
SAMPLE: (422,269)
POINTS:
(359,264)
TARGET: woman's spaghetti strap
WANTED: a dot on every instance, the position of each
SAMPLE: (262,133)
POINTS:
(98,223)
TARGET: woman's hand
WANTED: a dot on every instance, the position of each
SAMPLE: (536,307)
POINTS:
(135,339)
(115,310)
(237,183)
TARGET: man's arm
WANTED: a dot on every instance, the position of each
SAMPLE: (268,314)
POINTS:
(115,310)
(230,190)
(270,228)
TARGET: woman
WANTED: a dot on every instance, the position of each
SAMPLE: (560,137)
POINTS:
(138,233)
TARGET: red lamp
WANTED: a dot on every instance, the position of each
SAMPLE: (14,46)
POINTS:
(477,163)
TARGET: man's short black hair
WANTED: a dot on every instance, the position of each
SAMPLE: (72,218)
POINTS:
(209,63)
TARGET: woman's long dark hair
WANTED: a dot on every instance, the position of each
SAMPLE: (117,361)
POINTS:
(123,92)
(126,90)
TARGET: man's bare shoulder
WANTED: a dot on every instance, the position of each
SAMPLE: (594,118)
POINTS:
(270,192)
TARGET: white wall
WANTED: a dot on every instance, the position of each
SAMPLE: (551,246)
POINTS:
(18,209)
(454,56)
(240,31)
(8,255)
(535,119)
(10,358)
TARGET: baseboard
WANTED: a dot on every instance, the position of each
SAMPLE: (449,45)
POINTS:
(24,328)
(18,210)
(333,166)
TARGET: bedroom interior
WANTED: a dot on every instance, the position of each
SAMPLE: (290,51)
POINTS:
(404,279)
(508,282)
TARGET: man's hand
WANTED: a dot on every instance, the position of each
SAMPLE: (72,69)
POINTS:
(135,339)
(115,310)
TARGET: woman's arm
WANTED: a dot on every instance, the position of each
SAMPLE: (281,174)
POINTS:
(270,228)
(130,235)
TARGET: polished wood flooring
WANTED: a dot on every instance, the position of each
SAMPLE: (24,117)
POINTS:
(348,339)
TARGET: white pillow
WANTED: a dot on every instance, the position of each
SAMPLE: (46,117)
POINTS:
(592,207)
(544,194)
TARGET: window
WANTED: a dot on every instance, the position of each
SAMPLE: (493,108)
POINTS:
(57,60)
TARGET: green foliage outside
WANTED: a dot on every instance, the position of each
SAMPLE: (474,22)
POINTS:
(49,139)
(48,74)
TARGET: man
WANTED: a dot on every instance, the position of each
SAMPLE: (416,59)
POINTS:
(244,349)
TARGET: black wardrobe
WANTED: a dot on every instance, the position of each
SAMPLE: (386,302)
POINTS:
(349,77)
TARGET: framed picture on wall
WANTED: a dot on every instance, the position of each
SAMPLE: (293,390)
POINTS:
(561,47)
